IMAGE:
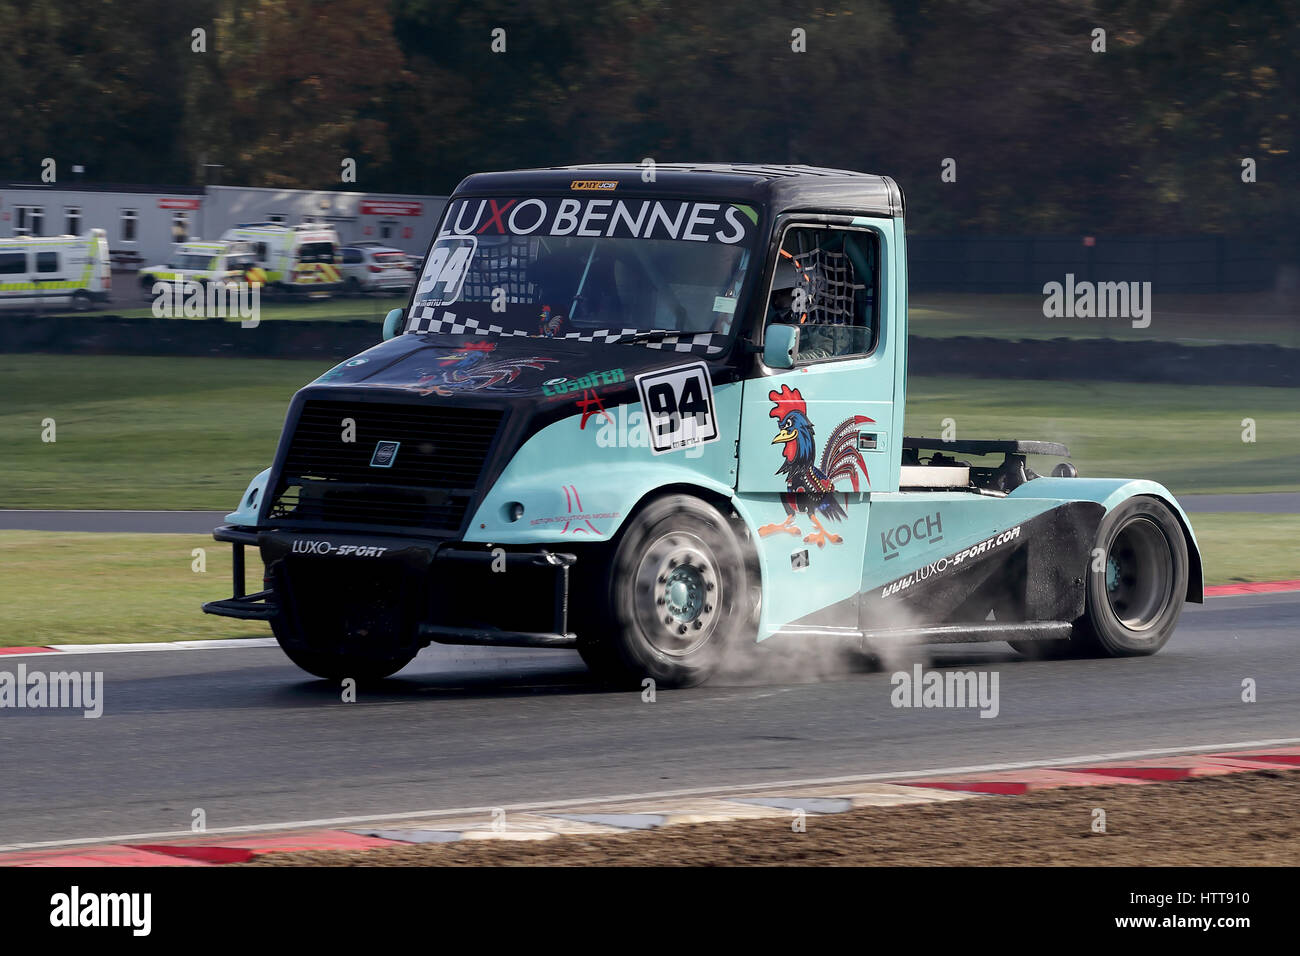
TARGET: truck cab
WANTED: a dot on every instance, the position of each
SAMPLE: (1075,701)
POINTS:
(657,416)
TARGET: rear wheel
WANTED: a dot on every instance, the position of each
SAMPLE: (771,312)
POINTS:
(673,597)
(1136,586)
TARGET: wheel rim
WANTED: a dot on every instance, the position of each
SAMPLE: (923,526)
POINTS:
(1139,574)
(678,590)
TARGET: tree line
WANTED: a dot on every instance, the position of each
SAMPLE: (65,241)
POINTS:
(996,116)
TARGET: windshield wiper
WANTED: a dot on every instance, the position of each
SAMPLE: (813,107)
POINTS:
(651,335)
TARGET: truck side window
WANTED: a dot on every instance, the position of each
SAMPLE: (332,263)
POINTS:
(825,282)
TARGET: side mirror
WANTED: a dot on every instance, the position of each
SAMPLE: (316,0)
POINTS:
(780,345)
(393,323)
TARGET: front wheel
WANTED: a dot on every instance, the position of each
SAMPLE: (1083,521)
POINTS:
(673,595)
(1136,586)
(335,664)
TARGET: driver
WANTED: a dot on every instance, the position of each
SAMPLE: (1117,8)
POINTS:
(576,286)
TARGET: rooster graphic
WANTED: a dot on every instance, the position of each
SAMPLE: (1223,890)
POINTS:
(811,489)
(470,369)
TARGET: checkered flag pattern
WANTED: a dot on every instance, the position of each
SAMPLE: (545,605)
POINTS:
(426,318)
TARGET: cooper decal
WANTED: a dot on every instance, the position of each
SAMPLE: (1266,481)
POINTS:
(560,387)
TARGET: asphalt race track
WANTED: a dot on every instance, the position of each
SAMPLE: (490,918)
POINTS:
(249,739)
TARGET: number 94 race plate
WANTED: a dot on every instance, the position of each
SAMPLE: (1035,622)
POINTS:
(678,405)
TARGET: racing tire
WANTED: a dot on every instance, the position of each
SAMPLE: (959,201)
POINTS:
(337,666)
(1135,595)
(672,597)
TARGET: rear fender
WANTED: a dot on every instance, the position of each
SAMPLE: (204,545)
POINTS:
(1112,492)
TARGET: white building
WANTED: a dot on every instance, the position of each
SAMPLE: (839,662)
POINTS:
(144,222)
(404,222)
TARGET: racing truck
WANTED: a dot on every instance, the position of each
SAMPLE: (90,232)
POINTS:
(657,417)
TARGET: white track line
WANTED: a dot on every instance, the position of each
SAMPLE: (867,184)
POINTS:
(332,822)
(216,644)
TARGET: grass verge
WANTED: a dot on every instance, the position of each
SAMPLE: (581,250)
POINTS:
(1187,437)
(65,588)
(188,433)
(340,309)
(1208,320)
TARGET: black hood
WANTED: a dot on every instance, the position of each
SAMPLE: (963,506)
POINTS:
(492,393)
(507,369)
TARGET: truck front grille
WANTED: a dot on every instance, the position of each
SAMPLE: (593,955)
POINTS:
(429,484)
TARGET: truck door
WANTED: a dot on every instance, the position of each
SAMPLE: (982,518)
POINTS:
(817,439)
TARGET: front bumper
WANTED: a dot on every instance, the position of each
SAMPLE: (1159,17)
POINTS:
(438,581)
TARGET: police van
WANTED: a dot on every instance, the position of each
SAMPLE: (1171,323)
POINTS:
(45,272)
(302,258)
(204,263)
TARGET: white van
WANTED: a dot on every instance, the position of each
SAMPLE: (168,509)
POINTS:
(302,258)
(204,262)
(40,273)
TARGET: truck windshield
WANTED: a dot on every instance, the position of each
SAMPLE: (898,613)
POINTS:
(591,268)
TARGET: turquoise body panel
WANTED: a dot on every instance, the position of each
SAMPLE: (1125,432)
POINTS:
(580,484)
(246,514)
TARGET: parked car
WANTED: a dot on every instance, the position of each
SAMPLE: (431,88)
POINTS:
(372,267)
